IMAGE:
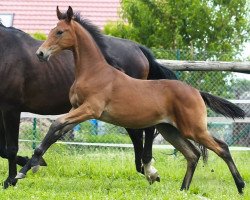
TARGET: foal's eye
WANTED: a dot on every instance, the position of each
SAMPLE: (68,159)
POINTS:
(59,32)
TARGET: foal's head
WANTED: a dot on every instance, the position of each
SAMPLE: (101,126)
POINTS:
(61,37)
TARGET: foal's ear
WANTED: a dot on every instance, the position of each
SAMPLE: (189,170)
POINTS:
(70,14)
(59,14)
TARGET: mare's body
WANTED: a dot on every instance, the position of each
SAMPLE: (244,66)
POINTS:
(102,92)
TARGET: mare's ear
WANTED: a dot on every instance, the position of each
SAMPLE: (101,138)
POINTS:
(70,14)
(59,14)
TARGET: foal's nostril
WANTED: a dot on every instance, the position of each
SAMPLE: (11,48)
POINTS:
(40,54)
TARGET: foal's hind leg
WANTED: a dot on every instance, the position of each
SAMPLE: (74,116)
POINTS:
(191,153)
(221,149)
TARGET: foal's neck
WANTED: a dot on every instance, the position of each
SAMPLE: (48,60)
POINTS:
(87,55)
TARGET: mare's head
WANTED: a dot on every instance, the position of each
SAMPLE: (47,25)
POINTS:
(61,37)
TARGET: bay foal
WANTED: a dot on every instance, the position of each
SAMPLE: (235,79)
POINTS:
(102,92)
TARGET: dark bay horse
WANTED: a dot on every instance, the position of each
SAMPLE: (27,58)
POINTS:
(105,93)
(31,86)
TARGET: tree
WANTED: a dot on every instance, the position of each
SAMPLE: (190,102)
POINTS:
(214,26)
(192,29)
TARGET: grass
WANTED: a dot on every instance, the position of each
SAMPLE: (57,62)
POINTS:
(109,173)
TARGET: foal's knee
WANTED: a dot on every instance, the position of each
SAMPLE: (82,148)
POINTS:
(55,126)
(38,151)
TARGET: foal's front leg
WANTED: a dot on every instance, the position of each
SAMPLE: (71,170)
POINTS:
(56,130)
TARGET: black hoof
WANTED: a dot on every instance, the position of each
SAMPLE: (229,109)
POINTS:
(241,187)
(9,182)
(158,179)
(42,162)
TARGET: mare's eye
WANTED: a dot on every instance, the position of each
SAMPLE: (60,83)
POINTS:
(59,32)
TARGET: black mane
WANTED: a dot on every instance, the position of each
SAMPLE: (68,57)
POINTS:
(95,32)
(13,29)
(92,29)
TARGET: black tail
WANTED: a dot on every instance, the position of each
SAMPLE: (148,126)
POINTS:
(222,106)
(156,70)
(204,152)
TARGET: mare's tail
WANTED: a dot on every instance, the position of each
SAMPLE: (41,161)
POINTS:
(156,70)
(222,106)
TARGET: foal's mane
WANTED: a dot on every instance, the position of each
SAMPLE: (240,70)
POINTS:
(95,32)
(92,29)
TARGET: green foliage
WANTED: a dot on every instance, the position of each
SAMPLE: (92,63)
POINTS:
(109,173)
(106,133)
(202,30)
(193,25)
(39,36)
(107,138)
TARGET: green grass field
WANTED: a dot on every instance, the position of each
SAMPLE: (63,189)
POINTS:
(109,173)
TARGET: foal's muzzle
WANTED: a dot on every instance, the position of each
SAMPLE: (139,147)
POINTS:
(42,56)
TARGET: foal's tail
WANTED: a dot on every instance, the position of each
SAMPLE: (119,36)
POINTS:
(222,106)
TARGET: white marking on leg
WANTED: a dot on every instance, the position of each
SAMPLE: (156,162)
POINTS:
(150,171)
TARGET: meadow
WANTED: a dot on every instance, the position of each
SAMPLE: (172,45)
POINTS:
(109,173)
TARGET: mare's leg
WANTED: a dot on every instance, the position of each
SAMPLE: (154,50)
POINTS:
(191,153)
(136,135)
(10,122)
(56,130)
(147,150)
(150,172)
(222,150)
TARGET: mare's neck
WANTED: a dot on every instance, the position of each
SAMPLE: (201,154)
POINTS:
(87,55)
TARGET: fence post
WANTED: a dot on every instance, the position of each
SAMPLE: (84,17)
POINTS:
(178,74)
(178,57)
(34,133)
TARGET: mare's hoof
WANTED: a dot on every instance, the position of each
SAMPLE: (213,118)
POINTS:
(20,175)
(9,182)
(35,168)
(153,177)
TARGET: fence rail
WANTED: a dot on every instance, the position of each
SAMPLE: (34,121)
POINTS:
(178,65)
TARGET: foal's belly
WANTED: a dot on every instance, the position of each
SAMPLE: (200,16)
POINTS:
(135,118)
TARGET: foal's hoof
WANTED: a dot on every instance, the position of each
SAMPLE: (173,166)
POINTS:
(42,162)
(20,175)
(35,168)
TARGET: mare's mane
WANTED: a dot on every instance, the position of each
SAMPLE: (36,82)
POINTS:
(13,29)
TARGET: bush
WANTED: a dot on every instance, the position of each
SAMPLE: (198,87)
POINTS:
(39,36)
